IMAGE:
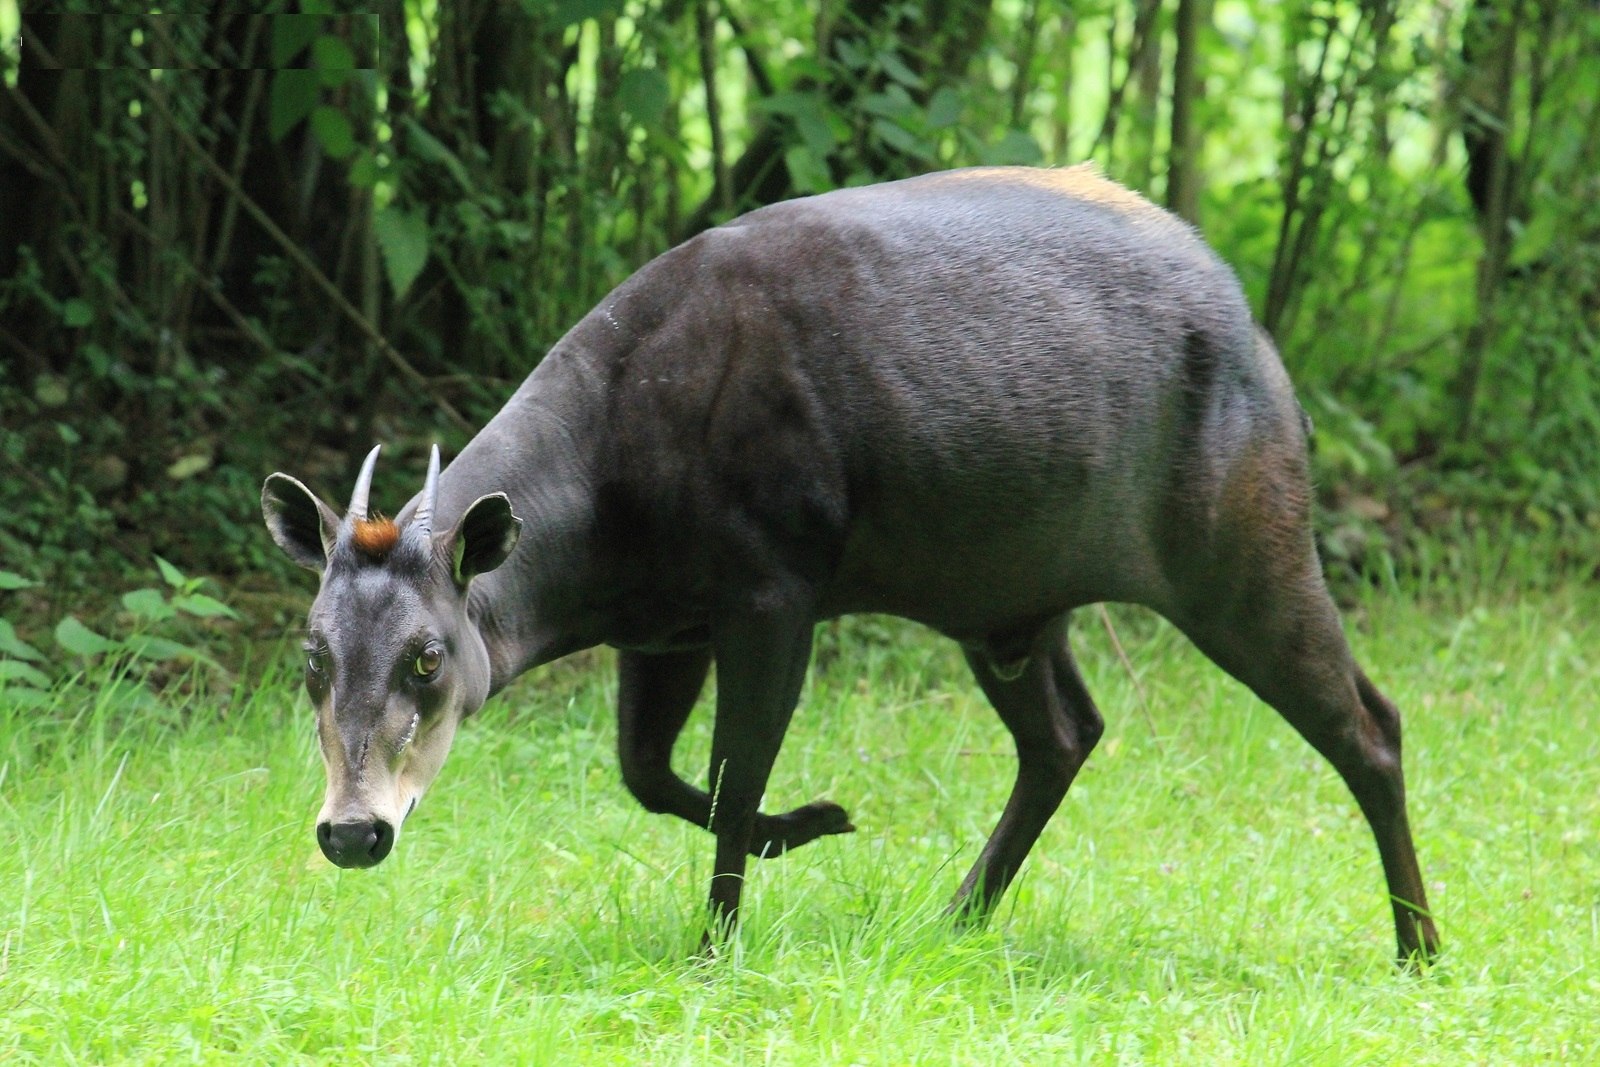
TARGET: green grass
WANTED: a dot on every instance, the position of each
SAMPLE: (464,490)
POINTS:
(1208,893)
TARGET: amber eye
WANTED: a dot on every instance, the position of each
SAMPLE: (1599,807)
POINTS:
(428,662)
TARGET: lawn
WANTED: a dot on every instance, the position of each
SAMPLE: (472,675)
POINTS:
(1208,893)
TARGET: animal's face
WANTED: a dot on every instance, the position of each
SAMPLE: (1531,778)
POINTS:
(392,665)
(393,660)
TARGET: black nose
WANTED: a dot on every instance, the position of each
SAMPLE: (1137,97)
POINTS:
(355,844)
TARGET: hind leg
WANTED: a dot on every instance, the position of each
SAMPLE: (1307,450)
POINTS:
(1055,726)
(1286,644)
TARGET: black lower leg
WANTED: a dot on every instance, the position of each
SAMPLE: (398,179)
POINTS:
(1055,725)
(655,694)
(761,663)
(1303,668)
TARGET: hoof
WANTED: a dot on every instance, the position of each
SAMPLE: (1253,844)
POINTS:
(777,834)
(708,950)
(1417,962)
(970,908)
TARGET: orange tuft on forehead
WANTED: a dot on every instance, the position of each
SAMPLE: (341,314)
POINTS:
(375,537)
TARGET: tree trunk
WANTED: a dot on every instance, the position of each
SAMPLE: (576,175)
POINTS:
(1489,48)
(1183,176)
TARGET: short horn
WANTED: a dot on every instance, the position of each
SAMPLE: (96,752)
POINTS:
(422,521)
(358,499)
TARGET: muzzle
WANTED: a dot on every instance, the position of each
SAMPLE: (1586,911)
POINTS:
(355,844)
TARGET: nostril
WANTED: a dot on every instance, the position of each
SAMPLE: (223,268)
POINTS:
(325,835)
(383,840)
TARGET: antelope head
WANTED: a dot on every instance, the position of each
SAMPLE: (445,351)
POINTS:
(394,662)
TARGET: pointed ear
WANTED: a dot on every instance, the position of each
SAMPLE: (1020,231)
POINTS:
(483,538)
(303,526)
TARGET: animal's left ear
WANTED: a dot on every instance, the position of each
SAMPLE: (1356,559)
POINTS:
(483,538)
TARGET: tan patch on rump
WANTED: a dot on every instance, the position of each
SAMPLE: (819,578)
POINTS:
(375,537)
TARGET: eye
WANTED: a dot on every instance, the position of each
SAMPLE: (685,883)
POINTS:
(316,657)
(428,661)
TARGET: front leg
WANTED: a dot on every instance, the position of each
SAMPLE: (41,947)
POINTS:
(655,693)
(761,664)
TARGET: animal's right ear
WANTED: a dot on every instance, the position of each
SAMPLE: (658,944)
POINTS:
(303,526)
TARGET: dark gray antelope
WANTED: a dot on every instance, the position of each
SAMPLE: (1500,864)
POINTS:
(977,399)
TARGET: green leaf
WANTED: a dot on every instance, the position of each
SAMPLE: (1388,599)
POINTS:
(334,60)
(809,174)
(895,67)
(290,35)
(51,390)
(851,54)
(895,106)
(944,109)
(188,466)
(810,116)
(170,574)
(11,670)
(333,130)
(403,240)
(203,607)
(433,150)
(14,646)
(144,646)
(364,169)
(99,360)
(1016,147)
(1531,242)
(13,580)
(294,95)
(901,139)
(149,605)
(644,95)
(781,103)
(79,640)
(76,313)
(24,698)
(332,53)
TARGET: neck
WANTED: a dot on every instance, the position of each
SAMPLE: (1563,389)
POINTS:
(538,450)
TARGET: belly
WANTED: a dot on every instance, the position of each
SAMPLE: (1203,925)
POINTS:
(973,565)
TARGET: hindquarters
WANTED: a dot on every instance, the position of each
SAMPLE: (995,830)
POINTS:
(1248,589)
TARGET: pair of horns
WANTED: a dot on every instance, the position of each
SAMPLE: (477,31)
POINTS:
(422,520)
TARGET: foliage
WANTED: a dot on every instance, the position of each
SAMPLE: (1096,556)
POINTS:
(1206,894)
(158,628)
(262,240)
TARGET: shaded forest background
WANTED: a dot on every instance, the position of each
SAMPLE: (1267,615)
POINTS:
(235,243)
